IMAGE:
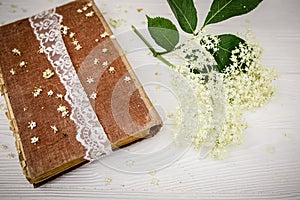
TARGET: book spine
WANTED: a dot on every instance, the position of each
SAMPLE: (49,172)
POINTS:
(14,128)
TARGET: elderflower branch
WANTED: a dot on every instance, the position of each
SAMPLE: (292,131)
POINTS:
(155,53)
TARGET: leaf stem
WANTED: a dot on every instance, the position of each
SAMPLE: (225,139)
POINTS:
(155,53)
(202,27)
(162,53)
(144,40)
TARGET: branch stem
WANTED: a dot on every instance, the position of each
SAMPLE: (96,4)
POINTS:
(155,53)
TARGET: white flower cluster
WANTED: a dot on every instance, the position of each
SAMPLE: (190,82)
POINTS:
(248,82)
(210,43)
(222,98)
(195,59)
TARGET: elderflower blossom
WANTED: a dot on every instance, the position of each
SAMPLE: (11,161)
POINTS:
(249,83)
(221,98)
(210,43)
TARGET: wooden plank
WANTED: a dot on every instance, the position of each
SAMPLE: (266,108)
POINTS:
(265,166)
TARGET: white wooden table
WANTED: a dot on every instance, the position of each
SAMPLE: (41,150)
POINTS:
(265,166)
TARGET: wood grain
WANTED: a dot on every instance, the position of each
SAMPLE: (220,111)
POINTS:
(265,166)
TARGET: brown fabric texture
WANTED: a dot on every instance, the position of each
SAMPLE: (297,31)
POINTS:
(122,107)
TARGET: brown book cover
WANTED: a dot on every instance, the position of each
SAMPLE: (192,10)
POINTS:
(72,96)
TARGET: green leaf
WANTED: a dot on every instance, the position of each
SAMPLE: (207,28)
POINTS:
(221,10)
(164,32)
(227,43)
(185,13)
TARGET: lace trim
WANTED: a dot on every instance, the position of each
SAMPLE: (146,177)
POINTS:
(90,133)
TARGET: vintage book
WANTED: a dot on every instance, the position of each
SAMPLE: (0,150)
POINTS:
(72,96)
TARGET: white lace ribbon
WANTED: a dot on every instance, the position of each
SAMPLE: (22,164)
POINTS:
(90,133)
